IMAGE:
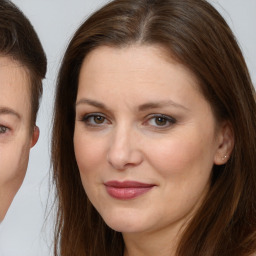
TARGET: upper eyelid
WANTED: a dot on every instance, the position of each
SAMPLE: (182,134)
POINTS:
(83,116)
(168,117)
(90,107)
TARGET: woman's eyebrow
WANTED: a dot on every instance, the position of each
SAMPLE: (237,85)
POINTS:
(91,102)
(159,104)
(9,111)
(143,107)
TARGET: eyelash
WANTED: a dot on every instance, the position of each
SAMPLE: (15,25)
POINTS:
(168,120)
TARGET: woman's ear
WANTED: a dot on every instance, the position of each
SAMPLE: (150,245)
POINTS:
(35,136)
(226,142)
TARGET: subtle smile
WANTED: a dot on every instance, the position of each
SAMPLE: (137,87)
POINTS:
(127,189)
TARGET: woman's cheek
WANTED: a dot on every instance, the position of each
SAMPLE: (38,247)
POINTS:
(172,154)
(88,152)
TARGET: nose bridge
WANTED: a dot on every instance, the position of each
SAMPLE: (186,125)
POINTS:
(121,138)
(124,148)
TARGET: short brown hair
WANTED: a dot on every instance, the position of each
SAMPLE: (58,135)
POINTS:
(19,41)
(196,35)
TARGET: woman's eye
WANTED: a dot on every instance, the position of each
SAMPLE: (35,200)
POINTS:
(3,129)
(161,121)
(98,119)
(94,120)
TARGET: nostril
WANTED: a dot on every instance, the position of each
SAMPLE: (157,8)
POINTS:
(124,151)
(117,160)
(122,161)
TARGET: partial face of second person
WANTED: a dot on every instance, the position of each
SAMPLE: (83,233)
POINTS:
(145,138)
(16,135)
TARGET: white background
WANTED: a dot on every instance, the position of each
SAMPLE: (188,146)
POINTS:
(26,231)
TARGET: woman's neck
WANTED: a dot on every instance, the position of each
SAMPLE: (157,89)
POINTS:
(161,243)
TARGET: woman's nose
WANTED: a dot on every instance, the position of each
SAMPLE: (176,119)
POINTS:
(124,151)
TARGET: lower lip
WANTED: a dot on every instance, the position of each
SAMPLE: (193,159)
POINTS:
(127,193)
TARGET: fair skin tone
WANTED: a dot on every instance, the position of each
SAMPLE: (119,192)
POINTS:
(145,142)
(16,137)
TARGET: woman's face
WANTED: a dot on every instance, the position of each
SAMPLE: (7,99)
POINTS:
(145,138)
(15,129)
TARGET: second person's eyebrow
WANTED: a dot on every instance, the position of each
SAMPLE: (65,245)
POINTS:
(9,111)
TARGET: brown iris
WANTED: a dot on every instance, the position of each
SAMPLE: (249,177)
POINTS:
(161,121)
(99,119)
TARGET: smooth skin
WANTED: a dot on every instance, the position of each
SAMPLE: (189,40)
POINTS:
(16,135)
(140,116)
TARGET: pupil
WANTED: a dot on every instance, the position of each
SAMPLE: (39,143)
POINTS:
(161,121)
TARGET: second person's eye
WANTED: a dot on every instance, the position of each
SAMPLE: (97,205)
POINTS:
(3,129)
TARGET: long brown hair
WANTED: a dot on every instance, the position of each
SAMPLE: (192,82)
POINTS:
(19,41)
(197,36)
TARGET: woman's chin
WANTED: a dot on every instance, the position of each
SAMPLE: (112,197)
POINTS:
(124,225)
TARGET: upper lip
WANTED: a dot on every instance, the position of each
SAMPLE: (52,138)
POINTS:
(127,184)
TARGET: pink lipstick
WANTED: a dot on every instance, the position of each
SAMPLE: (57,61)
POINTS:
(127,189)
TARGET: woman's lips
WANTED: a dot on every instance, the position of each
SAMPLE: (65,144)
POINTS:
(127,189)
